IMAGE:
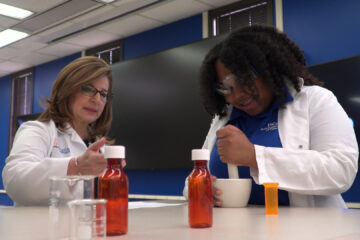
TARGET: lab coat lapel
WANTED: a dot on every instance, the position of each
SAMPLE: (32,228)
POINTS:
(74,136)
(294,132)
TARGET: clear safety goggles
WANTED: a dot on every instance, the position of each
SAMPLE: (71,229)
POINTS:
(230,82)
(227,85)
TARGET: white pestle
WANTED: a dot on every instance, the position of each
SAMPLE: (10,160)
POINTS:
(232,171)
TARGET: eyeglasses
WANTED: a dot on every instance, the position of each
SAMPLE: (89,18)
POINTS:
(230,82)
(91,91)
(227,85)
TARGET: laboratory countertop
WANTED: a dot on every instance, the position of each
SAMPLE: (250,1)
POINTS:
(170,222)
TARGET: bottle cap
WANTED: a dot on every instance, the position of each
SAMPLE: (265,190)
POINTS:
(200,154)
(114,152)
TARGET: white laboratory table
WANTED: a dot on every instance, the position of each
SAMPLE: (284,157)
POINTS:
(171,223)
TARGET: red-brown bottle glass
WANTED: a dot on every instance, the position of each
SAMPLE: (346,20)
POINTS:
(200,196)
(114,186)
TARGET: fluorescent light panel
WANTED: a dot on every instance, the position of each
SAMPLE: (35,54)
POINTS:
(14,12)
(9,36)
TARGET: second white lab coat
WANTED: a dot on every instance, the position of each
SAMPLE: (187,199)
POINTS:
(319,157)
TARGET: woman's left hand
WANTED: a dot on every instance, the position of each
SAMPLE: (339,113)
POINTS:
(234,147)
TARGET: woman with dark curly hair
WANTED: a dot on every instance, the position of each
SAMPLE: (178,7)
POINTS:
(274,121)
(67,137)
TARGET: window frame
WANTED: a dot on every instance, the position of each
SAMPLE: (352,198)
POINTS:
(240,5)
(28,74)
(114,45)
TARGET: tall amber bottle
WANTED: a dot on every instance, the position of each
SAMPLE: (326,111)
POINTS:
(114,186)
(200,191)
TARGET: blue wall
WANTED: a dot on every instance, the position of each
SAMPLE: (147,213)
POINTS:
(4,120)
(325,30)
(168,36)
(44,77)
(4,129)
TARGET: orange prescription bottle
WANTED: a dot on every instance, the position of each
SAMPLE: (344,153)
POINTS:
(271,198)
(113,185)
(200,191)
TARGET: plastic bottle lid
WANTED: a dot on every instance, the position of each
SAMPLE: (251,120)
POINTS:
(114,152)
(200,154)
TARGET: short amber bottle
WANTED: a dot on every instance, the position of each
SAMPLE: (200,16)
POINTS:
(200,191)
(113,186)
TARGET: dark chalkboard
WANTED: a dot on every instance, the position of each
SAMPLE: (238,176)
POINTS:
(158,114)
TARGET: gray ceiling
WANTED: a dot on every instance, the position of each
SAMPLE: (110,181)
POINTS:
(63,27)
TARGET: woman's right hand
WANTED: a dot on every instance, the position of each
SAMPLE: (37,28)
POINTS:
(216,192)
(92,161)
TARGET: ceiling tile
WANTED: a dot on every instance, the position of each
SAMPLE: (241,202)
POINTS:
(55,29)
(138,24)
(29,44)
(170,11)
(34,5)
(56,15)
(11,66)
(33,58)
(95,14)
(55,32)
(91,38)
(6,22)
(61,49)
(9,52)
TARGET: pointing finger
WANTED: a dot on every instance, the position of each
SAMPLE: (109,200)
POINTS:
(97,145)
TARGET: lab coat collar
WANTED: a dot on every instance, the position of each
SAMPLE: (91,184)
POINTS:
(71,131)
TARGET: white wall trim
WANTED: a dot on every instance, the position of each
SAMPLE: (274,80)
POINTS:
(279,15)
(205,25)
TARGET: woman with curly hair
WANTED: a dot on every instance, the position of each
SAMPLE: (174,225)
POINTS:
(67,137)
(274,121)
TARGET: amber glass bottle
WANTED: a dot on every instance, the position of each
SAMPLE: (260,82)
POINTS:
(200,191)
(113,185)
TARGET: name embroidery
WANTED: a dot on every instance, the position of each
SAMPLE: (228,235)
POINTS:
(270,127)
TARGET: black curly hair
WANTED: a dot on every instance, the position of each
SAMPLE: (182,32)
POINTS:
(270,52)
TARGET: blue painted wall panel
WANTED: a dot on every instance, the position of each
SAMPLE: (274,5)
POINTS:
(325,30)
(44,77)
(168,36)
(5,89)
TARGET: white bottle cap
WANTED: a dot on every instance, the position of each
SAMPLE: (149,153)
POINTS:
(114,152)
(200,154)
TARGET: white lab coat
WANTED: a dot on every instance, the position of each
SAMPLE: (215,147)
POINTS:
(319,157)
(39,151)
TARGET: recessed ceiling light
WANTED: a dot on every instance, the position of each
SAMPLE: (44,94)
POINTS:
(14,12)
(9,36)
